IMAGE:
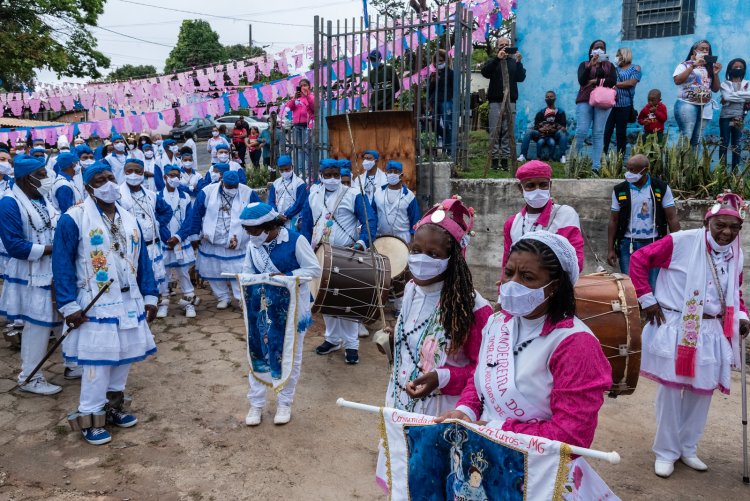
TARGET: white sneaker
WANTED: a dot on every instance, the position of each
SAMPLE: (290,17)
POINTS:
(73,372)
(223,304)
(190,311)
(40,386)
(663,468)
(521,158)
(563,159)
(362,331)
(694,463)
(163,310)
(283,414)
(254,415)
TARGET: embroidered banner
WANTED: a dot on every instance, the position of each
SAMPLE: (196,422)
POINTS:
(467,462)
(270,307)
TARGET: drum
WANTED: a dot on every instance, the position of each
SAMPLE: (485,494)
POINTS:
(350,283)
(608,305)
(397,252)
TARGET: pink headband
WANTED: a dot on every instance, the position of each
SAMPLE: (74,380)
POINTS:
(452,216)
(728,204)
(534,168)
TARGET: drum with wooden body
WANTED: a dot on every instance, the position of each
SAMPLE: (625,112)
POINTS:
(608,305)
(397,252)
(350,283)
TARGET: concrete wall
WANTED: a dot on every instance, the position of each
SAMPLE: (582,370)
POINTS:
(497,199)
(554,37)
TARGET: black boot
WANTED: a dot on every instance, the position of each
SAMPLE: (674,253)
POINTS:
(504,164)
(495,164)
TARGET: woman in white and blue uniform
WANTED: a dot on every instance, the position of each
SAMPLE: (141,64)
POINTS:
(288,193)
(65,191)
(275,250)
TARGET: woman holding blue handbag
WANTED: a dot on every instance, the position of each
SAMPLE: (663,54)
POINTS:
(596,97)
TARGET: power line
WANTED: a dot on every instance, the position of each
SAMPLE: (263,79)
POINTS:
(135,38)
(215,16)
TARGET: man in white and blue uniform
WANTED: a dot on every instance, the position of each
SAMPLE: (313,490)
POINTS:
(180,258)
(169,154)
(117,158)
(340,216)
(27,230)
(396,206)
(151,169)
(98,241)
(153,215)
(372,178)
(66,192)
(216,219)
(288,193)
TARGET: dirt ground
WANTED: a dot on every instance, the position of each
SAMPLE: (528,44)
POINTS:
(192,444)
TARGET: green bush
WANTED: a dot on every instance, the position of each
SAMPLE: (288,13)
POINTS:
(484,115)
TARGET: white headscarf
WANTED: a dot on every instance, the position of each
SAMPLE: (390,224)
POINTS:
(562,248)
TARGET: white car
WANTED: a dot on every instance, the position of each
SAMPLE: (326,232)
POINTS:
(229,121)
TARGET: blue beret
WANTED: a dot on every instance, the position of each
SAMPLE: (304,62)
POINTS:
(83,148)
(187,154)
(23,165)
(147,145)
(221,146)
(344,163)
(65,160)
(329,163)
(231,178)
(168,142)
(169,168)
(135,161)
(373,153)
(116,137)
(346,172)
(257,213)
(284,161)
(95,169)
(221,167)
(392,164)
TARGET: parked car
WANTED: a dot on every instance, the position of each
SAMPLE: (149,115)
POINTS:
(200,127)
(229,121)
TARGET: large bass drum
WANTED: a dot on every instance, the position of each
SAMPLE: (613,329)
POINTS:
(608,305)
(397,252)
(350,283)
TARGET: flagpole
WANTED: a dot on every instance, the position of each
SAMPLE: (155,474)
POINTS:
(610,457)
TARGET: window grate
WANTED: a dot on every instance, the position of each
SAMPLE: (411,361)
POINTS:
(643,19)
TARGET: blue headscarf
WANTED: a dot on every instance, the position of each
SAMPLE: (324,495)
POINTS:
(345,163)
(99,152)
(257,213)
(329,163)
(373,153)
(221,167)
(346,172)
(392,164)
(65,160)
(23,165)
(231,178)
(95,169)
(135,161)
(284,161)
(83,148)
(169,168)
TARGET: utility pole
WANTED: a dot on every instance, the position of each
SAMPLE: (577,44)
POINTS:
(250,36)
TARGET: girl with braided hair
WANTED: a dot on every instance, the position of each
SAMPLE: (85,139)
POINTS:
(437,336)
(546,370)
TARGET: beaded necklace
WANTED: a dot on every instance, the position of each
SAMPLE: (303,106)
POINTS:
(40,209)
(394,206)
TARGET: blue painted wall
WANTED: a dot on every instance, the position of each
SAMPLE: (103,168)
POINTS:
(554,37)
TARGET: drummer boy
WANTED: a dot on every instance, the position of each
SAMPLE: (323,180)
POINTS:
(341,217)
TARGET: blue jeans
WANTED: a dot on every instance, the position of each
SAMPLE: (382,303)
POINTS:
(559,139)
(730,141)
(445,131)
(689,120)
(624,257)
(300,145)
(588,117)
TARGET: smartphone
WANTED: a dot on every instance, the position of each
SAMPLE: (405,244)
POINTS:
(710,60)
(299,89)
(604,57)
(511,50)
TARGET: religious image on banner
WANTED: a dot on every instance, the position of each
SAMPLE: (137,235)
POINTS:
(460,461)
(270,311)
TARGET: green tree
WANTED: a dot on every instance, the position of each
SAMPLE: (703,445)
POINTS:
(48,34)
(197,44)
(128,71)
(239,51)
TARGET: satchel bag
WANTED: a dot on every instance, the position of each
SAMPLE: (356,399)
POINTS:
(602,97)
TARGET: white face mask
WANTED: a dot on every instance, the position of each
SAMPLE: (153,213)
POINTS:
(714,245)
(174,182)
(393,178)
(230,191)
(215,176)
(77,168)
(6,169)
(120,147)
(134,179)
(45,185)
(331,184)
(368,164)
(187,165)
(287,175)
(633,177)
(173,149)
(86,163)
(159,142)
(259,240)
(131,146)
(215,133)
(424,267)
(108,193)
(597,52)
(519,300)
(148,154)
(536,198)
(223,157)
(441,66)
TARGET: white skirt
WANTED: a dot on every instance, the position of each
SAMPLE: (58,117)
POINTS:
(30,304)
(213,260)
(187,257)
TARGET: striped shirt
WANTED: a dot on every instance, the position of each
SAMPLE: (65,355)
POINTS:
(625,96)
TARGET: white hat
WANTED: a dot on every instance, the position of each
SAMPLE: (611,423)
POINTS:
(562,248)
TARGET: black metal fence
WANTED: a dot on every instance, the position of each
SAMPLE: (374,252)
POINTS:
(419,63)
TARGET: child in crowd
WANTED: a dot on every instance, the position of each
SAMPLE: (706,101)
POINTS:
(653,115)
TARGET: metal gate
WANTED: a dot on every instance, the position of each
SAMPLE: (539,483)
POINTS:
(387,63)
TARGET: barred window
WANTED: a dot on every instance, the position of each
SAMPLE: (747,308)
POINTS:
(657,18)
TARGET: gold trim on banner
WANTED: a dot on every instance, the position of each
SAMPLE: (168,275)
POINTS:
(384,438)
(296,333)
(562,472)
